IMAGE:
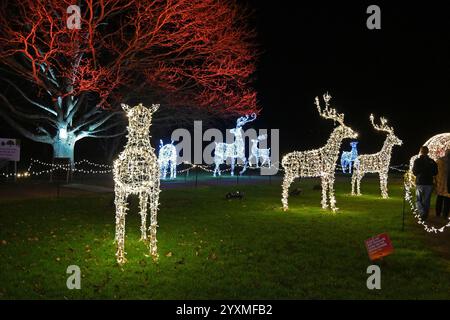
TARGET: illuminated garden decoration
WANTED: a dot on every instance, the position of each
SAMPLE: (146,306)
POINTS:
(319,162)
(377,162)
(235,150)
(262,155)
(136,171)
(167,159)
(349,157)
(437,146)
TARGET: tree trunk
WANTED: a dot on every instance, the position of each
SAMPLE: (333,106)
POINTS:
(64,148)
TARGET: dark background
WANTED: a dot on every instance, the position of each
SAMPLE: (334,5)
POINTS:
(400,72)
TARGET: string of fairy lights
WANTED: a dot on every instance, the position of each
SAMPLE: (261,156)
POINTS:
(106,168)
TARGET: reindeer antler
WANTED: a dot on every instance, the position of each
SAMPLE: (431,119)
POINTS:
(329,113)
(243,120)
(383,127)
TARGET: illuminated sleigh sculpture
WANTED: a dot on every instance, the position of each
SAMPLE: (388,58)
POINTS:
(437,146)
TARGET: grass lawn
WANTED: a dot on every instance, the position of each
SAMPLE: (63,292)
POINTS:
(211,248)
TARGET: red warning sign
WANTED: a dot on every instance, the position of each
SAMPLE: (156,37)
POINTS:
(379,246)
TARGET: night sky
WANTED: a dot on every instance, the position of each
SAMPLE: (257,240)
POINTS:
(400,72)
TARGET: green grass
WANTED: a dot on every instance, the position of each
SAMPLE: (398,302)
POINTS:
(220,249)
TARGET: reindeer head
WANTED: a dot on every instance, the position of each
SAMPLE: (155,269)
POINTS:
(260,138)
(139,116)
(330,113)
(391,137)
(353,144)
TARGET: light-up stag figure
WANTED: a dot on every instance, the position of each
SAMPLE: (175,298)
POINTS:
(319,162)
(349,157)
(167,159)
(136,171)
(259,154)
(235,150)
(377,162)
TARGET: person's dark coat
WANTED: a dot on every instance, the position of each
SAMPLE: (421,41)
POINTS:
(424,169)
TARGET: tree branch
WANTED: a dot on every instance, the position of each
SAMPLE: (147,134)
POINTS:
(28,99)
(23,131)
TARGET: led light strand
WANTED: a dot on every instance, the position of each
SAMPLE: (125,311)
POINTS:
(377,162)
(319,162)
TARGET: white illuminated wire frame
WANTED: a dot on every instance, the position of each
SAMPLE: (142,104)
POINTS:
(235,150)
(259,154)
(378,162)
(167,159)
(319,162)
(437,146)
(136,171)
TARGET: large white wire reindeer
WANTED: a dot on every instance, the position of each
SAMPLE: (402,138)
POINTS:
(235,150)
(319,162)
(377,162)
(136,171)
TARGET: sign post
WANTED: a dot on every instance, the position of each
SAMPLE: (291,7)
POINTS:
(61,172)
(10,151)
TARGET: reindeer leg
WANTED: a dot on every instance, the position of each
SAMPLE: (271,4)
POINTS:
(143,199)
(354,182)
(244,159)
(121,211)
(383,185)
(358,183)
(287,181)
(154,202)
(216,167)
(324,191)
(232,166)
(174,168)
(331,193)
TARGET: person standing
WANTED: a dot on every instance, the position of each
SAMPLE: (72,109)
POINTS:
(443,186)
(424,168)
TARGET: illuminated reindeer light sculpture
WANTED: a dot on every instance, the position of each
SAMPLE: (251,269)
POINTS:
(377,162)
(136,171)
(167,159)
(259,154)
(319,162)
(235,150)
